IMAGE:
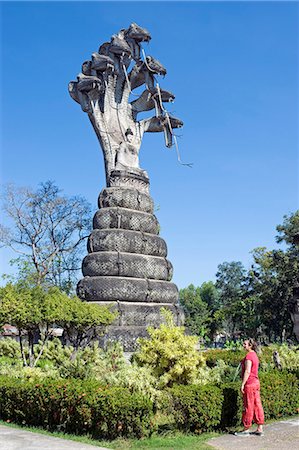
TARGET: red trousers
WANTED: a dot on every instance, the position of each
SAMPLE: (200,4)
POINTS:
(252,405)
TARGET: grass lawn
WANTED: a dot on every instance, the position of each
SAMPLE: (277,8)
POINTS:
(167,441)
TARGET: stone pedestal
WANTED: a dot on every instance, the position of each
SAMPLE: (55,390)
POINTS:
(127,266)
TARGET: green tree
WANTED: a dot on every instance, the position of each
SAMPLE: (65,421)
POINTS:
(197,316)
(35,311)
(231,281)
(288,231)
(273,286)
(273,277)
(84,321)
(32,311)
(211,297)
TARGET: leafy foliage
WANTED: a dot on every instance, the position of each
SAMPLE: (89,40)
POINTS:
(170,354)
(279,394)
(236,307)
(231,357)
(84,321)
(288,232)
(196,310)
(77,407)
(10,348)
(197,408)
(36,310)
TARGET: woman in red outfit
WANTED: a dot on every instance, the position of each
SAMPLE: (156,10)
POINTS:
(252,406)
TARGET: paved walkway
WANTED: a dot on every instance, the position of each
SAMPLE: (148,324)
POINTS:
(282,435)
(18,439)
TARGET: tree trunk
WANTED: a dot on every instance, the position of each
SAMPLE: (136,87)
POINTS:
(283,335)
(22,349)
(31,348)
(45,340)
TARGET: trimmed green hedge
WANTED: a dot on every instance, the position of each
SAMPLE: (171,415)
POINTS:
(231,413)
(234,357)
(79,407)
(76,406)
(231,357)
(197,408)
(279,393)
(200,408)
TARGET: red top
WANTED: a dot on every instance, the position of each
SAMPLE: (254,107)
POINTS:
(251,356)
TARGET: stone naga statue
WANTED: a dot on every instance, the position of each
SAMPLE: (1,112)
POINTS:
(126,266)
(103,89)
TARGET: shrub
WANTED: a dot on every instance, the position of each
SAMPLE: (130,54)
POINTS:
(77,407)
(54,351)
(232,405)
(197,408)
(15,369)
(234,345)
(231,357)
(279,395)
(223,372)
(170,354)
(9,347)
(289,357)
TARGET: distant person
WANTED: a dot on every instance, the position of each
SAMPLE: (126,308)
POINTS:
(252,405)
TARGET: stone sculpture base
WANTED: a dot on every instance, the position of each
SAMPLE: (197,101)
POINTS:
(133,320)
(127,266)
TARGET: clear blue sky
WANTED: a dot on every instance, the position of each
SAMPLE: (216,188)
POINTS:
(233,67)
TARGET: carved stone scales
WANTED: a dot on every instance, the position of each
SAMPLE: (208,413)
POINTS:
(126,263)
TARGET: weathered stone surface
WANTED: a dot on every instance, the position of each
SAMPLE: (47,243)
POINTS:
(118,240)
(129,178)
(141,314)
(126,335)
(126,198)
(102,90)
(127,289)
(127,219)
(127,265)
(127,259)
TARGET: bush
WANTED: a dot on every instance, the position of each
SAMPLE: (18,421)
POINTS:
(200,408)
(170,354)
(279,395)
(231,413)
(76,406)
(197,408)
(230,357)
(223,372)
(289,357)
(15,369)
(9,347)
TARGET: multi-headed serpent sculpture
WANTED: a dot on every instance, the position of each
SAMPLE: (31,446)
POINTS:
(126,264)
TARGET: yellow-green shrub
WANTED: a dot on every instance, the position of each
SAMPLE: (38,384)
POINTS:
(170,354)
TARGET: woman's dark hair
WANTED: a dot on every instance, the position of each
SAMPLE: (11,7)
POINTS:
(253,344)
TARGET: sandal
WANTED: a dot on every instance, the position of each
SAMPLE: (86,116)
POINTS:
(258,433)
(242,433)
